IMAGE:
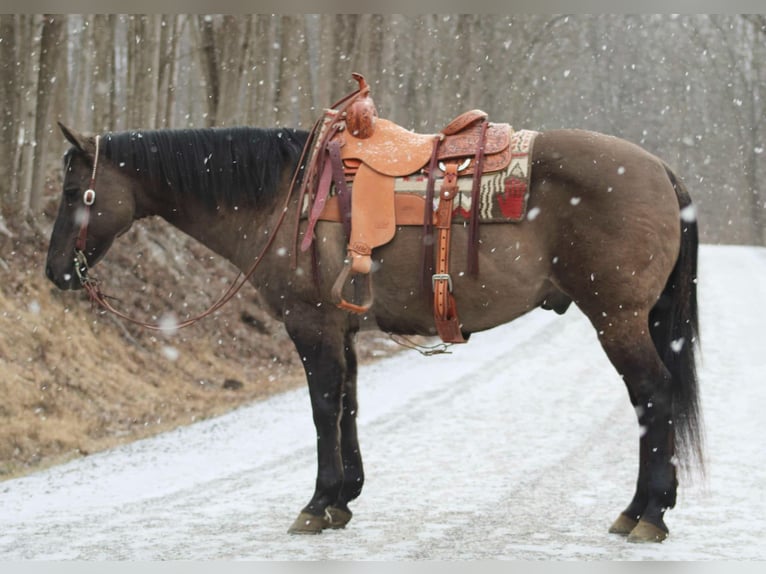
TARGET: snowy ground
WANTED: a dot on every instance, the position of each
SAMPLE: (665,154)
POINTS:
(522,447)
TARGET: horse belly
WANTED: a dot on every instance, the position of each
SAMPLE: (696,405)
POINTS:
(512,280)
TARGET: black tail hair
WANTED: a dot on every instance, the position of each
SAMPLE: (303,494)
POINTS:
(674,325)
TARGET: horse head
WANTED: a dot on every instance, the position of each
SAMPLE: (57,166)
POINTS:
(97,205)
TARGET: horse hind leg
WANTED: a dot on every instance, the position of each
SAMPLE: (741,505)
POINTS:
(629,346)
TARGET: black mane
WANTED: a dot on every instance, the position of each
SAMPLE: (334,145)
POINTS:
(239,165)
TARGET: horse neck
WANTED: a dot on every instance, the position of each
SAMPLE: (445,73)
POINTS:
(236,233)
(180,193)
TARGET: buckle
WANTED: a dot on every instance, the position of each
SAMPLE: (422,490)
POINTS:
(441,277)
(463,166)
(81,267)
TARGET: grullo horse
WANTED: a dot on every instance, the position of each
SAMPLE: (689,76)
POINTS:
(614,233)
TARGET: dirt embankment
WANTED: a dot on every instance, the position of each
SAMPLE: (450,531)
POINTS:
(74,381)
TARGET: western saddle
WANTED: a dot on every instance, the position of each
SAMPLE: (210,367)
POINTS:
(354,149)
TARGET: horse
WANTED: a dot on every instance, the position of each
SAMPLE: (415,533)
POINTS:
(614,233)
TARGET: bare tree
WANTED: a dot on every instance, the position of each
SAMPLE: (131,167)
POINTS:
(210,67)
(25,96)
(143,63)
(51,39)
(293,94)
(233,41)
(264,65)
(165,68)
(8,122)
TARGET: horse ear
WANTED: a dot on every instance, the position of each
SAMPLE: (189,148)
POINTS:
(81,142)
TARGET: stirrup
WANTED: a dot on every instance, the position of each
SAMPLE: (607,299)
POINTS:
(337,291)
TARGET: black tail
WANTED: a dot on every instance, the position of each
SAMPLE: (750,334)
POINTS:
(674,326)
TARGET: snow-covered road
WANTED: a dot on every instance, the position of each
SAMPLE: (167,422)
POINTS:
(520,445)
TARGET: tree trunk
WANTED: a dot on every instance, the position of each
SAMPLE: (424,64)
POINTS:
(50,49)
(104,109)
(293,97)
(143,61)
(326,83)
(166,55)
(8,104)
(178,24)
(26,92)
(262,94)
(210,66)
(232,41)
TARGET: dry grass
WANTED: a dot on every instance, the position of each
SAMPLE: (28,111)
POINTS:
(75,381)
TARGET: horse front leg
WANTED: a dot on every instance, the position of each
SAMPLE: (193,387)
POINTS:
(320,339)
(353,471)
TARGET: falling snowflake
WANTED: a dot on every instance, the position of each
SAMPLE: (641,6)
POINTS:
(168,324)
(677,345)
(689,213)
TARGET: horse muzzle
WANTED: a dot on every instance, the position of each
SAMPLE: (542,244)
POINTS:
(67,281)
(69,277)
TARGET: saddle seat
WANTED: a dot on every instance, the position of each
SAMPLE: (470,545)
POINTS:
(396,152)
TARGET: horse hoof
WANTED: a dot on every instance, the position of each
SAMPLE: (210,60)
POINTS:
(647,532)
(308,524)
(337,517)
(623,526)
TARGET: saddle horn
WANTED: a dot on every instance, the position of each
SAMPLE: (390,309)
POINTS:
(361,115)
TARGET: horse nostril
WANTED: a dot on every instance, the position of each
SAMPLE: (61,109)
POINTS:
(50,274)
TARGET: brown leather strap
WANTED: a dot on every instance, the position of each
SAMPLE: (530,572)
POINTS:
(473,228)
(88,198)
(307,176)
(82,235)
(445,309)
(323,131)
(427,263)
(341,188)
(320,200)
(332,171)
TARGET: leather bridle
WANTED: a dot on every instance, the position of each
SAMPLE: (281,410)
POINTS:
(92,286)
(88,198)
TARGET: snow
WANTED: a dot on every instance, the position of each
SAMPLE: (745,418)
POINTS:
(521,445)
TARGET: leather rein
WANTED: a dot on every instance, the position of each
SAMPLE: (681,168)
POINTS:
(92,285)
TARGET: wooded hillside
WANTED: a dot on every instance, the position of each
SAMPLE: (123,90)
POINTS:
(688,88)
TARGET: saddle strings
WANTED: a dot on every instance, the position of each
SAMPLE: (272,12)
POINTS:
(425,350)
